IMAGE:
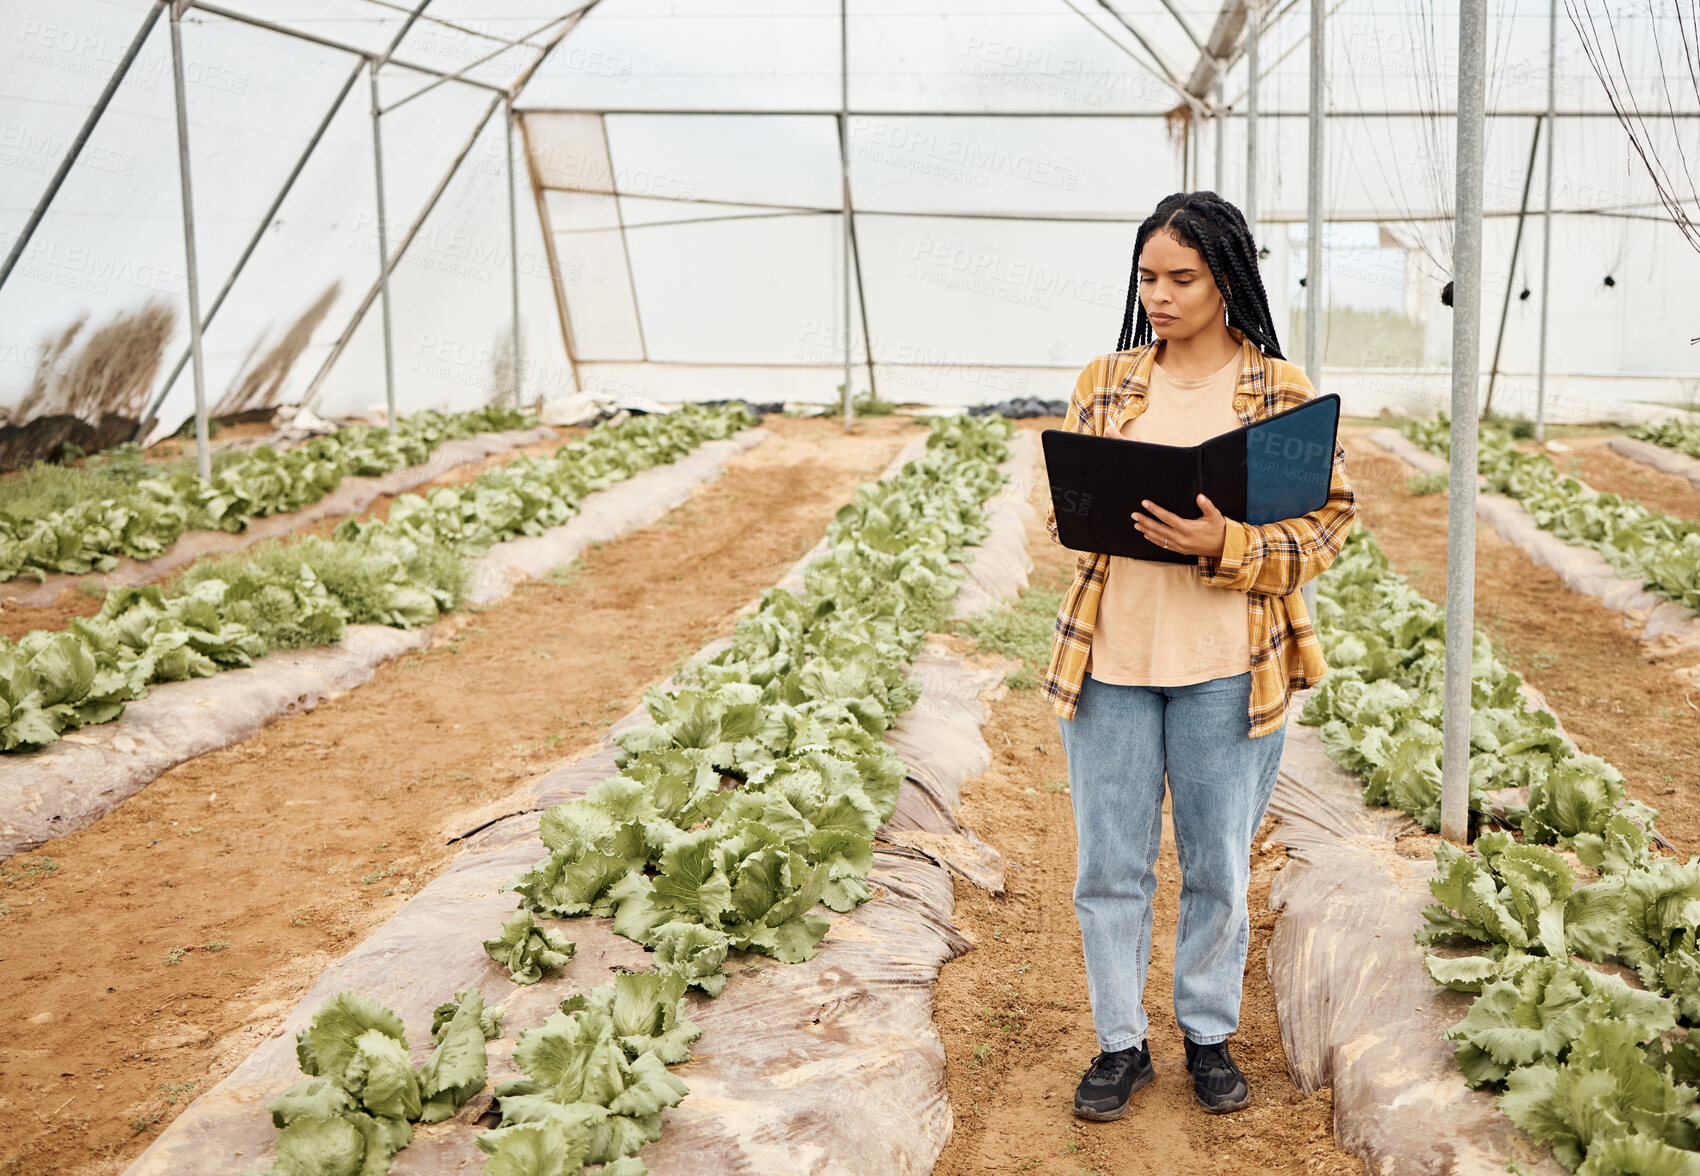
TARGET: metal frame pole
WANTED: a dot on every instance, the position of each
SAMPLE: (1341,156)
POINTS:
(203,459)
(260,229)
(83,133)
(1315,303)
(383,248)
(844,178)
(1221,121)
(1546,221)
(513,248)
(1466,346)
(1253,32)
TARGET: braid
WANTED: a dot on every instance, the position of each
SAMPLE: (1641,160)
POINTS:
(1218,230)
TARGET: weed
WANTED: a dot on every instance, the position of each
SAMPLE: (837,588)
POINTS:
(460,775)
(1424,484)
(144,1123)
(5,909)
(542,653)
(190,831)
(1071,1147)
(1057,786)
(1543,659)
(1024,968)
(997,933)
(982,1051)
(215,945)
(174,1092)
(174,956)
(1022,629)
(375,876)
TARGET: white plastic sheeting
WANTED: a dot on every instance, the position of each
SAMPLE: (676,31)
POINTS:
(681,203)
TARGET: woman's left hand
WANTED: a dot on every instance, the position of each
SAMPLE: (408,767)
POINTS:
(1201,536)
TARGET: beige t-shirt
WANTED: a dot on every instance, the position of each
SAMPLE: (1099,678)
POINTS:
(1158,623)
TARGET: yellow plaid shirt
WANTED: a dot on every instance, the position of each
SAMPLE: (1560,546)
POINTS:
(1268,563)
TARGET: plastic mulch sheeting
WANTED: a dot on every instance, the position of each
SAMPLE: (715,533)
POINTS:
(830,1067)
(1662,625)
(1357,1010)
(353,495)
(85,775)
(1660,458)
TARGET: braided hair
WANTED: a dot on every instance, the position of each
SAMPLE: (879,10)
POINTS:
(1214,227)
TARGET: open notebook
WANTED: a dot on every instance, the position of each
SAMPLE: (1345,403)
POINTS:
(1273,469)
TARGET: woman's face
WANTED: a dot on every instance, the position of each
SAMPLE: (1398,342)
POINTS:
(1176,287)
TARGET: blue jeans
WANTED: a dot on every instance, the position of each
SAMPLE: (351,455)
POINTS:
(1120,743)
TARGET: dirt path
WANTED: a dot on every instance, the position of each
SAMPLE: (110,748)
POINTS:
(1594,461)
(1615,700)
(143,957)
(1016,1023)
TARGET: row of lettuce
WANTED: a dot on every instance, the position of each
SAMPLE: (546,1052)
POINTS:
(1660,550)
(1681,436)
(140,510)
(750,799)
(1602,1071)
(403,571)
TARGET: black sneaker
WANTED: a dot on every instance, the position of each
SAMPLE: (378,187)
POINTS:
(1103,1093)
(1217,1083)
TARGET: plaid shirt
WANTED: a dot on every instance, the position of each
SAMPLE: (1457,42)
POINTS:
(1267,563)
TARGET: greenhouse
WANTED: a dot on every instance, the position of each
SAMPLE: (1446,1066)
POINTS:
(589,585)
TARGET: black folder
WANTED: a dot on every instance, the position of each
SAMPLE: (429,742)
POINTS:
(1273,469)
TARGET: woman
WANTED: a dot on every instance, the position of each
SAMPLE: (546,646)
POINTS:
(1182,670)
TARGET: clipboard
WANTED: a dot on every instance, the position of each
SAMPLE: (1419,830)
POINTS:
(1273,469)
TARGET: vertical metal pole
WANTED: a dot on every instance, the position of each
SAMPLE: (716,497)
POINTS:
(383,250)
(844,170)
(1466,344)
(203,460)
(1315,301)
(1546,220)
(1254,33)
(513,248)
(1221,121)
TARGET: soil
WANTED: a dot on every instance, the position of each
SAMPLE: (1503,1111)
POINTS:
(1602,467)
(1013,1012)
(1616,700)
(143,957)
(17,619)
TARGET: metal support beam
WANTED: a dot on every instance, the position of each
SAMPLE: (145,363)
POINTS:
(203,459)
(1546,220)
(459,75)
(1466,345)
(313,389)
(844,181)
(1221,120)
(340,46)
(83,133)
(253,243)
(1316,304)
(383,248)
(1253,34)
(1510,273)
(556,282)
(513,247)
